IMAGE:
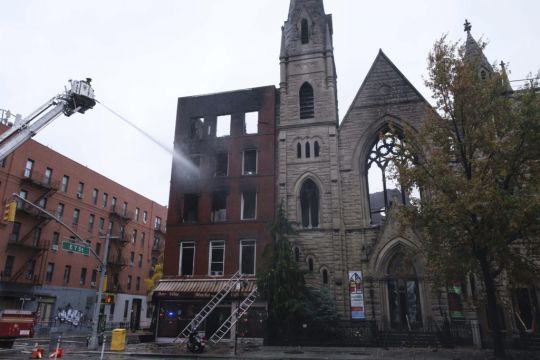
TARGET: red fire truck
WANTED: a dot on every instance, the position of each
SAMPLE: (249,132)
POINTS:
(15,324)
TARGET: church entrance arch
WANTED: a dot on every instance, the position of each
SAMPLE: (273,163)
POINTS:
(403,294)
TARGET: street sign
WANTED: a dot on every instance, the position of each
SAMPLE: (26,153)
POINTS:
(69,246)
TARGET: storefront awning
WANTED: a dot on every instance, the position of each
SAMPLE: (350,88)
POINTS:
(197,288)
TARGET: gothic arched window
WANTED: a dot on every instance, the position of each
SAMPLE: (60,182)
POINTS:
(296,254)
(310,264)
(309,204)
(308,149)
(316,149)
(306,101)
(298,150)
(325,276)
(384,188)
(304,31)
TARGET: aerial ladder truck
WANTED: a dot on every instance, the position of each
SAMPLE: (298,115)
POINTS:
(78,98)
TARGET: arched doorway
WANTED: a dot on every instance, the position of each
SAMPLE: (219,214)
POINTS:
(403,294)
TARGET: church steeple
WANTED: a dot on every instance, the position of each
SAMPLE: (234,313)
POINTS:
(474,53)
(307,60)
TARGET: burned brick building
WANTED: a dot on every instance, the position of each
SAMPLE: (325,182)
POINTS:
(330,177)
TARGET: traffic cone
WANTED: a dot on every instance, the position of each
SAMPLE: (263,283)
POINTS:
(37,352)
(57,353)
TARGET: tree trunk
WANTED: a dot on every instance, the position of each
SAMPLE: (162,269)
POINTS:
(492,310)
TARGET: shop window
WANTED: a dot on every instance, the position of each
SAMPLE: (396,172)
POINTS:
(223,126)
(216,258)
(247,257)
(309,204)
(222,164)
(249,162)
(191,208)
(249,205)
(251,122)
(219,206)
(187,258)
(307,104)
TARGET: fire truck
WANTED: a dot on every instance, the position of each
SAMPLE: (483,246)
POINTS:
(15,324)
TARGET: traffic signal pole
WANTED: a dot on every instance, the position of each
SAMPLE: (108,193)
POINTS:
(93,341)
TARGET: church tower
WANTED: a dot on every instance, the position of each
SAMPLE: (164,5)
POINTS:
(308,178)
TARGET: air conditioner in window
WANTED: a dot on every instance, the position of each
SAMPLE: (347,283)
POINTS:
(216,273)
(79,195)
(54,247)
(249,172)
(93,284)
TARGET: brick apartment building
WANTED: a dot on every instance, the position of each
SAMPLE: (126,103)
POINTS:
(219,211)
(35,270)
(330,176)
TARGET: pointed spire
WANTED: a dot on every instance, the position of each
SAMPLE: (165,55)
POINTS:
(506,82)
(473,51)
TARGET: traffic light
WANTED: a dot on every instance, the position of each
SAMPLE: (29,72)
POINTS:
(9,211)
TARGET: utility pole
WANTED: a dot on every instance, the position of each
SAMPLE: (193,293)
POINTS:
(93,341)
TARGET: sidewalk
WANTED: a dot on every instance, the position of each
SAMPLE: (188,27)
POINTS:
(226,351)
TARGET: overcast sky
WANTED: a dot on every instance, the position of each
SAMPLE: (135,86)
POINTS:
(143,55)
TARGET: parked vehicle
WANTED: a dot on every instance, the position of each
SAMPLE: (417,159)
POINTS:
(15,324)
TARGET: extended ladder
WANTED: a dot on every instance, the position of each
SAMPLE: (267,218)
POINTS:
(210,306)
(235,316)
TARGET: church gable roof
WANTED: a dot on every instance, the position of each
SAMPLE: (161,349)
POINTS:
(384,85)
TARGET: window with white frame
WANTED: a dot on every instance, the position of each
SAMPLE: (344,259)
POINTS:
(187,258)
(249,160)
(216,259)
(247,257)
(249,205)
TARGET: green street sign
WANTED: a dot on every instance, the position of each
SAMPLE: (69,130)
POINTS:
(69,246)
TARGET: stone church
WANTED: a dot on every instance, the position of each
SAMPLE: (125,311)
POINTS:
(328,175)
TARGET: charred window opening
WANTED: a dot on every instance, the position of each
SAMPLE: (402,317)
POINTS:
(247,257)
(316,149)
(306,102)
(298,150)
(308,150)
(304,31)
(250,162)
(191,208)
(187,258)
(309,203)
(219,206)
(223,127)
(196,129)
(222,164)
(249,204)
(251,122)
